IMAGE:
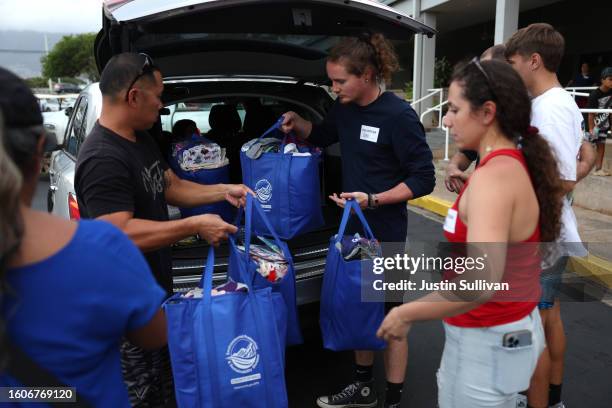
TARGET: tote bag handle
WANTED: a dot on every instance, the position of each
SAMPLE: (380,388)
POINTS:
(248,226)
(352,205)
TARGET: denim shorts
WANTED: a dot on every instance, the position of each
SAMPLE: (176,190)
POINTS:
(477,371)
(550,281)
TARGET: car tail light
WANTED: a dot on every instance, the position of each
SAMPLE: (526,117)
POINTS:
(73,208)
(114,4)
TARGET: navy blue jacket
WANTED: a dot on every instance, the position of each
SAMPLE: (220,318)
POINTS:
(382,144)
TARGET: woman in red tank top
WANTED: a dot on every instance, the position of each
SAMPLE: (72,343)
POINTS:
(509,204)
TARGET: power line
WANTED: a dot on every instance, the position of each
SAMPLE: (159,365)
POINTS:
(22,51)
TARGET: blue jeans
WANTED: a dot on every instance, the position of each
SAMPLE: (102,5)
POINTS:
(550,280)
(477,371)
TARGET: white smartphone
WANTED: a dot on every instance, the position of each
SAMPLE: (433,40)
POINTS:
(519,338)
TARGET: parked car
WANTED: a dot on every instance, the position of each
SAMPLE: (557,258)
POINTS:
(50,105)
(55,123)
(215,52)
(65,87)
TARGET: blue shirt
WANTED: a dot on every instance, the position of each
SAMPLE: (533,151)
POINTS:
(70,311)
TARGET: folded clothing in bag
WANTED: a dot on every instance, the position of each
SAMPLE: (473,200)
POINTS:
(228,287)
(356,247)
(203,162)
(200,156)
(271,263)
(256,147)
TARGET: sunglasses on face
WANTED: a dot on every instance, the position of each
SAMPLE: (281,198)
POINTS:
(147,66)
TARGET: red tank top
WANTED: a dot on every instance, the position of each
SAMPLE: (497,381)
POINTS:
(522,270)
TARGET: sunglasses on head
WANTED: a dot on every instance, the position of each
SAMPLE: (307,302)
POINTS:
(476,62)
(147,66)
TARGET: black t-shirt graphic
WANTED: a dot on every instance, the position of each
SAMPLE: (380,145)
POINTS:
(114,174)
(601,100)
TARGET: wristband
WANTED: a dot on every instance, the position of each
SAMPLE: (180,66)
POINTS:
(372,201)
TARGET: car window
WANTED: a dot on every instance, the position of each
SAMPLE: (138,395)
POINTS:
(76,127)
(193,106)
(196,111)
(199,112)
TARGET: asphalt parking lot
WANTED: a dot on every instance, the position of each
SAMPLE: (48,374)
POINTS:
(313,371)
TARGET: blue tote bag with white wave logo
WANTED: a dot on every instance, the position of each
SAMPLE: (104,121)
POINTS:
(287,187)
(347,322)
(227,350)
(239,264)
(219,175)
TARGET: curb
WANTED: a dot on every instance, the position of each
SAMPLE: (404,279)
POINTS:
(433,204)
(591,267)
(594,268)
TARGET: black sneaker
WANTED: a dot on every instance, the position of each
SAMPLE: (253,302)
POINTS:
(355,395)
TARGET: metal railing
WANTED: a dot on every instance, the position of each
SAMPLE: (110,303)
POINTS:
(580,90)
(574,91)
(431,93)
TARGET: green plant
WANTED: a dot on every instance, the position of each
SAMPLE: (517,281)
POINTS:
(442,72)
(37,82)
(74,81)
(408,90)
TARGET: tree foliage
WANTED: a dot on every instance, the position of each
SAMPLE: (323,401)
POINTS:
(37,82)
(72,56)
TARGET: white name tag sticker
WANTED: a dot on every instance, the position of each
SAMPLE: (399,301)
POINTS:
(369,133)
(450,221)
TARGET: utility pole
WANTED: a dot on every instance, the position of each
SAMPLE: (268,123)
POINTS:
(49,82)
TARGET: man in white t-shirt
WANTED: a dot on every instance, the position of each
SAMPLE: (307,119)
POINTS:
(535,52)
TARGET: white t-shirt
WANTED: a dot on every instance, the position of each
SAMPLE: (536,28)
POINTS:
(560,122)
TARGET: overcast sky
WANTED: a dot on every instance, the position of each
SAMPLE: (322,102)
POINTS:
(65,16)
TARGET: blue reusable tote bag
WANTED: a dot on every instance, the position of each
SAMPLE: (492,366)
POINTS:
(226,350)
(220,175)
(287,187)
(239,265)
(348,323)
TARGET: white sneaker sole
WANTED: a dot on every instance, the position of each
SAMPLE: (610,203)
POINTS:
(323,404)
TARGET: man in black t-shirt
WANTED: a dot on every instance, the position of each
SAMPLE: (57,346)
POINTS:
(599,123)
(122,178)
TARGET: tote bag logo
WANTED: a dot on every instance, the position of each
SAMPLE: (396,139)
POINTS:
(263,189)
(242,354)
